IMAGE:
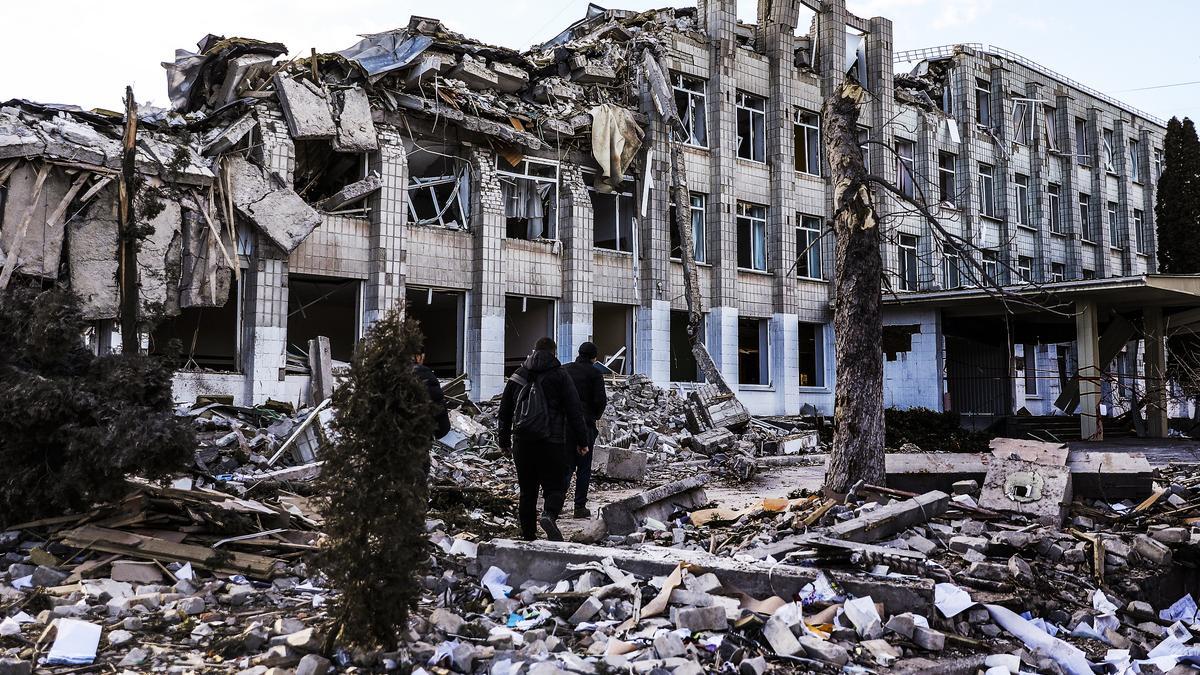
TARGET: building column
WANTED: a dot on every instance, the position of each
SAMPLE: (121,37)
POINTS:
(1155,360)
(575,230)
(386,246)
(1087,340)
(485,315)
(652,320)
(652,340)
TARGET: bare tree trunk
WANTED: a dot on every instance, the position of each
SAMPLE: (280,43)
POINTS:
(126,188)
(857,323)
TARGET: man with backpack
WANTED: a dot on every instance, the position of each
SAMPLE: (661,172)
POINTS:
(540,411)
(436,396)
(590,385)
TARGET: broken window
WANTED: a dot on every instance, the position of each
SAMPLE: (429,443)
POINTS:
(1139,230)
(441,316)
(808,143)
(1085,218)
(1107,138)
(898,339)
(905,151)
(201,338)
(987,190)
(530,190)
(1025,268)
(525,321)
(691,102)
(613,217)
(947,188)
(322,306)
(1135,160)
(946,100)
(1029,361)
(991,265)
(907,262)
(683,362)
(698,237)
(1049,130)
(864,144)
(1022,121)
(856,55)
(952,265)
(321,172)
(439,188)
(1158,164)
(1053,207)
(754,366)
(1022,194)
(752,127)
(1114,227)
(812,357)
(808,247)
(752,236)
(612,332)
(1088,274)
(1081,152)
(983,103)
(1058,272)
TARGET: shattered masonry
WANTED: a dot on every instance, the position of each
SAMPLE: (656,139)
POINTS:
(506,195)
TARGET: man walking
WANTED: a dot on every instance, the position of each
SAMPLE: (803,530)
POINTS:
(540,410)
(589,383)
(436,396)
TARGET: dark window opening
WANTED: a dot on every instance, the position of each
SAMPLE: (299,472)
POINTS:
(321,171)
(907,259)
(752,127)
(898,339)
(691,103)
(612,332)
(808,247)
(808,143)
(439,188)
(614,217)
(321,306)
(983,103)
(752,236)
(753,358)
(525,321)
(698,237)
(530,191)
(683,362)
(946,178)
(812,360)
(440,316)
(201,338)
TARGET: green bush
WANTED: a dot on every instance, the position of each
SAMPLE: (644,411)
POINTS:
(930,430)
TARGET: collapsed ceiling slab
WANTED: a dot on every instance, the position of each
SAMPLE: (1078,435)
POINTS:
(277,211)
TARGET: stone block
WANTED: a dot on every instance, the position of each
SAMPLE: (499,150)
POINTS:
(824,650)
(305,107)
(1040,491)
(696,619)
(620,463)
(624,516)
(714,441)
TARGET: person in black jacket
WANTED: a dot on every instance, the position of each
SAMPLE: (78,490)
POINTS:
(590,385)
(542,463)
(436,395)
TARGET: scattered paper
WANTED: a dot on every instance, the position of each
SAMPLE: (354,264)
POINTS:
(819,590)
(75,644)
(493,580)
(185,572)
(9,627)
(950,599)
(1069,657)
(862,613)
(1102,604)
(1183,609)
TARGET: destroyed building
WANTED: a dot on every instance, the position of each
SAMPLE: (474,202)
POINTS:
(507,195)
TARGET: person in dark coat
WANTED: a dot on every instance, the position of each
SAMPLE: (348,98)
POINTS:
(542,463)
(436,395)
(589,383)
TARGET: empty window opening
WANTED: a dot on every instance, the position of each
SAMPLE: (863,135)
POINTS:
(1022,194)
(322,306)
(683,362)
(439,188)
(991,266)
(692,104)
(864,144)
(808,143)
(201,338)
(947,180)
(812,355)
(698,237)
(898,339)
(1106,137)
(1158,163)
(752,236)
(1058,272)
(1049,129)
(1025,268)
(753,357)
(983,103)
(1022,120)
(905,151)
(808,247)
(1139,230)
(1082,156)
(612,332)
(1054,207)
(856,55)
(613,216)
(952,265)
(1085,218)
(752,127)
(525,321)
(530,189)
(1135,160)
(987,190)
(440,315)
(1088,274)
(321,171)
(906,271)
(1116,238)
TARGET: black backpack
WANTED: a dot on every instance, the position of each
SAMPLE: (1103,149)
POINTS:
(531,415)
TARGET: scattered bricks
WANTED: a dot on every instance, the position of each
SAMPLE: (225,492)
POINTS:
(696,619)
(587,610)
(891,519)
(882,651)
(754,666)
(920,544)
(965,487)
(780,637)
(928,639)
(313,664)
(669,645)
(11,666)
(681,596)
(305,641)
(1020,569)
(620,463)
(622,517)
(978,615)
(971,528)
(705,583)
(474,73)
(136,657)
(988,571)
(961,544)
(1017,540)
(446,621)
(191,606)
(902,624)
(822,650)
(117,638)
(48,576)
(1171,535)
(714,441)
(1117,547)
(1152,551)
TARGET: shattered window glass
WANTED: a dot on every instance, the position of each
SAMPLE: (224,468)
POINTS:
(808,143)
(1022,121)
(1081,152)
(752,127)
(905,151)
(691,103)
(530,190)
(1048,128)
(1107,138)
(1135,161)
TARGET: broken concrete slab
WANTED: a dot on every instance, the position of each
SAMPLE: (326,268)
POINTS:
(509,78)
(624,516)
(160,261)
(474,73)
(237,71)
(352,193)
(305,107)
(619,463)
(278,211)
(226,138)
(206,273)
(92,245)
(355,128)
(713,441)
(1039,491)
(1105,475)
(39,242)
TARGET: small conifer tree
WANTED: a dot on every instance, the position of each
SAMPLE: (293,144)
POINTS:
(1177,208)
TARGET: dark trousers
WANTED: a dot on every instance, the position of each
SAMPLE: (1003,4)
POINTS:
(540,466)
(581,467)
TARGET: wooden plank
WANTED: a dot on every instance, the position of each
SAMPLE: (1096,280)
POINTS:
(150,548)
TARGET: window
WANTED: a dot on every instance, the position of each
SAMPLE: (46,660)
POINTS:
(1139,229)
(808,247)
(1081,151)
(683,362)
(439,188)
(530,191)
(1107,138)
(692,105)
(864,144)
(1030,363)
(751,127)
(907,271)
(1049,130)
(698,231)
(1058,272)
(752,236)
(1158,163)
(1135,161)
(991,264)
(983,103)
(947,100)
(947,189)
(754,364)
(808,143)
(904,167)
(1115,238)
(1022,120)
(987,190)
(1054,207)
(952,266)
(1022,184)
(812,355)
(614,218)
(1088,274)
(1025,268)
(1085,218)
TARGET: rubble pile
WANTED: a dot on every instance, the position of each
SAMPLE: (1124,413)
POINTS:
(272,442)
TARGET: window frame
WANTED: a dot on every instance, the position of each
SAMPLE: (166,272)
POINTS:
(905,167)
(1139,229)
(594,194)
(1022,124)
(987,190)
(1085,218)
(907,262)
(983,103)
(1049,128)
(1054,207)
(989,260)
(697,206)
(753,115)
(1058,272)
(1135,160)
(1024,208)
(1030,374)
(809,125)
(952,276)
(757,226)
(679,83)
(1113,210)
(1107,139)
(948,178)
(809,251)
(527,162)
(1082,156)
(817,331)
(1025,268)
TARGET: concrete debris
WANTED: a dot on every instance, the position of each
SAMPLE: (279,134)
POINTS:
(352,193)
(277,210)
(305,106)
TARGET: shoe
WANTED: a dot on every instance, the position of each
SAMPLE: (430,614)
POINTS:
(582,512)
(551,528)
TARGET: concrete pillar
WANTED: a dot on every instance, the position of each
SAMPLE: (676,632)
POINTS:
(652,321)
(485,315)
(575,221)
(785,363)
(1155,359)
(652,341)
(1087,340)
(386,245)
(721,338)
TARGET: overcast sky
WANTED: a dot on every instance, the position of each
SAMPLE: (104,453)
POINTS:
(85,52)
